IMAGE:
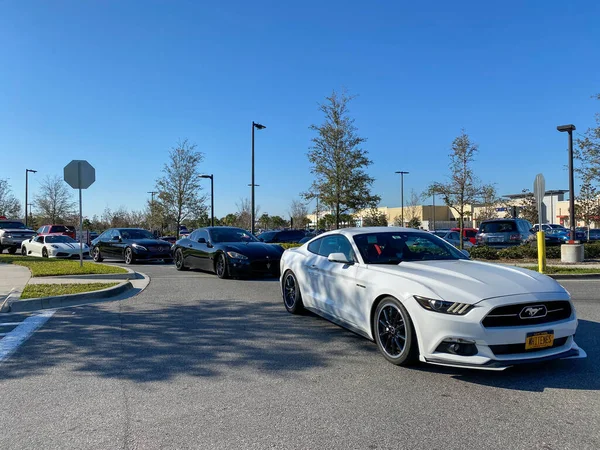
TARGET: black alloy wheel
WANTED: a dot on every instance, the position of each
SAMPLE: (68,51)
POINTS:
(129,257)
(221,268)
(179,263)
(44,252)
(97,255)
(23,251)
(292,299)
(12,250)
(394,333)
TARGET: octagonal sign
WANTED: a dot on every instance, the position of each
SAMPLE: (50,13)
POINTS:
(80,174)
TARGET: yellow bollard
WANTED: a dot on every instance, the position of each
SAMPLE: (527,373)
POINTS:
(541,245)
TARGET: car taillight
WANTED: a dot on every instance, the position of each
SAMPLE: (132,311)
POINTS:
(515,237)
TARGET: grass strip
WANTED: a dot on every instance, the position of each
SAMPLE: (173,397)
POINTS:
(50,290)
(45,267)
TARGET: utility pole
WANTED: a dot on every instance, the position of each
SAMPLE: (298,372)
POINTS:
(402,173)
(152,193)
(27,189)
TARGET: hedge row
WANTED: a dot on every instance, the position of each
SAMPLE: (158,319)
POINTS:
(591,251)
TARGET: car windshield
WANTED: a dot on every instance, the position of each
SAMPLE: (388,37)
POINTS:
(498,227)
(60,239)
(231,235)
(441,233)
(13,225)
(59,228)
(267,235)
(136,234)
(397,246)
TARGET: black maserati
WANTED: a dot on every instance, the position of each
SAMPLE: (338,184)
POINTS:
(227,251)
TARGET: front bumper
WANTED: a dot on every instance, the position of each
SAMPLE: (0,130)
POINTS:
(148,255)
(244,267)
(435,328)
(13,242)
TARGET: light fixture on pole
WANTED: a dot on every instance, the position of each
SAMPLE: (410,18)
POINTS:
(402,173)
(212,198)
(569,129)
(258,126)
(27,189)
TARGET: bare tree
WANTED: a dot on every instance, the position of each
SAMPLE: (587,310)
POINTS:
(587,207)
(9,205)
(588,151)
(338,161)
(54,200)
(179,188)
(244,216)
(488,203)
(299,214)
(412,208)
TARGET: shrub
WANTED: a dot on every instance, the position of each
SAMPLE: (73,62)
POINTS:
(591,251)
(286,246)
(484,252)
(552,252)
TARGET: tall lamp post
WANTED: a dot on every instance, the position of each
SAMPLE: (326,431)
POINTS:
(258,126)
(212,198)
(402,173)
(433,195)
(152,194)
(569,129)
(27,189)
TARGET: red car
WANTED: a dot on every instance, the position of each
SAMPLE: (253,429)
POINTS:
(468,233)
(66,230)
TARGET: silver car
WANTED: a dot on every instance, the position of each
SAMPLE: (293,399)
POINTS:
(503,233)
(453,237)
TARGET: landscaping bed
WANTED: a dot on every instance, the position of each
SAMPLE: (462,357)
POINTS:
(50,290)
(44,267)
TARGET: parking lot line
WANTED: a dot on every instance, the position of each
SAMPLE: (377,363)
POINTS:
(11,341)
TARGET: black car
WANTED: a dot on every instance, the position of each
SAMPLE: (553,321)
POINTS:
(130,244)
(282,236)
(227,251)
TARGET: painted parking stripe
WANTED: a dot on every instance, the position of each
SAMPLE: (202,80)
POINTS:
(11,342)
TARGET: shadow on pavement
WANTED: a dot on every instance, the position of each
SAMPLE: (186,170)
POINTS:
(560,374)
(213,338)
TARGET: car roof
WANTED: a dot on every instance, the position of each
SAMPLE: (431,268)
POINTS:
(349,232)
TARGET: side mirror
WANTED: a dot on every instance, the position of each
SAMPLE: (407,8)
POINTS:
(201,241)
(339,258)
(466,253)
(115,238)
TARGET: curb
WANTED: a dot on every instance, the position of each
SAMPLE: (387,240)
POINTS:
(59,301)
(131,275)
(575,276)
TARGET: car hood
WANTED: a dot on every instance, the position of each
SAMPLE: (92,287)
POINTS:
(17,230)
(470,281)
(254,249)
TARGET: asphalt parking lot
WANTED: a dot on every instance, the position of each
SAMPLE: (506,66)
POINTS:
(198,362)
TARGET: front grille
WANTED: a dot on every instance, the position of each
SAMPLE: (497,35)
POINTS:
(508,316)
(158,248)
(261,266)
(509,349)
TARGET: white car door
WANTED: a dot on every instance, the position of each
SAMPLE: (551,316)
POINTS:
(339,295)
(305,270)
(34,248)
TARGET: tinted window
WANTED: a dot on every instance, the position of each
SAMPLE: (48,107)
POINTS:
(58,229)
(39,230)
(500,226)
(314,246)
(267,235)
(454,236)
(397,246)
(105,235)
(231,235)
(16,225)
(336,244)
(470,233)
(292,235)
(202,234)
(135,234)
(59,239)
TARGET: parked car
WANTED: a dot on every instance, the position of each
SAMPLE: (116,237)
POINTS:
(12,233)
(502,233)
(53,246)
(57,229)
(468,233)
(421,299)
(170,239)
(580,233)
(282,236)
(130,244)
(453,237)
(227,251)
(594,234)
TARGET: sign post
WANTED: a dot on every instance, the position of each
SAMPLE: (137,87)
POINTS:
(80,174)
(539,190)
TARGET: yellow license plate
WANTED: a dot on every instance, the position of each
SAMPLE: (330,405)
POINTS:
(539,340)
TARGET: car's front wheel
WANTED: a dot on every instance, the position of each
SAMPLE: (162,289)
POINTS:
(129,257)
(221,268)
(44,252)
(96,255)
(179,262)
(292,299)
(23,251)
(394,333)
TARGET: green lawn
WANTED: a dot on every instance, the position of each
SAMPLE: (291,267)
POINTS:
(44,267)
(49,290)
(550,270)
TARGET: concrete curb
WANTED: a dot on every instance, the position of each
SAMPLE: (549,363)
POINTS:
(60,301)
(575,276)
(130,275)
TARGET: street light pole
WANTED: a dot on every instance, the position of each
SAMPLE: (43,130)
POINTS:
(27,189)
(402,173)
(212,198)
(433,195)
(152,206)
(259,127)
(569,129)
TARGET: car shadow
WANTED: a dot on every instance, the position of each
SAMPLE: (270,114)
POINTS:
(580,374)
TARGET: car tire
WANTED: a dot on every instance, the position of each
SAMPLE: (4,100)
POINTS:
(129,256)
(12,250)
(44,252)
(290,291)
(221,268)
(179,260)
(23,251)
(96,255)
(394,333)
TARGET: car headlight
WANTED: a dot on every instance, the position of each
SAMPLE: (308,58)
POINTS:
(441,306)
(8,235)
(236,255)
(139,247)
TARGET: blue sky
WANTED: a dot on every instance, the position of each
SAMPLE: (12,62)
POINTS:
(120,82)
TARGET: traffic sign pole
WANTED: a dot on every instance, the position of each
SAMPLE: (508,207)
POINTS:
(80,174)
